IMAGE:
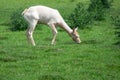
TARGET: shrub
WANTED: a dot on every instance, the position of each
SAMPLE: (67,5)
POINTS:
(106,3)
(80,17)
(72,0)
(96,9)
(116,20)
(17,20)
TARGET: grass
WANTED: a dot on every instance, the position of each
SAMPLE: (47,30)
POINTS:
(96,58)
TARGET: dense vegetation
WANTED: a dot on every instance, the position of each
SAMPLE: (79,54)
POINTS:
(96,58)
(17,21)
(96,10)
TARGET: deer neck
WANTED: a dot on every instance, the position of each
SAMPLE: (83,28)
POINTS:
(66,28)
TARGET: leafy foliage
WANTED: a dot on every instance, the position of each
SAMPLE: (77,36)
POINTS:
(72,0)
(96,9)
(116,22)
(82,15)
(17,21)
(106,3)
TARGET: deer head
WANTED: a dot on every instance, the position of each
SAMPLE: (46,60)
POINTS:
(75,36)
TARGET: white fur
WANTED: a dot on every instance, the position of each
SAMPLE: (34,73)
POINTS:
(45,15)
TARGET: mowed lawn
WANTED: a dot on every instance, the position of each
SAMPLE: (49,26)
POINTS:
(96,58)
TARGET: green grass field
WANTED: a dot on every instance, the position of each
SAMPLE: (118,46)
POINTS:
(96,58)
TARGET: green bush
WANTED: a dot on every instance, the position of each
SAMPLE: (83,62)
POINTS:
(80,16)
(106,3)
(83,15)
(72,0)
(116,20)
(96,9)
(17,21)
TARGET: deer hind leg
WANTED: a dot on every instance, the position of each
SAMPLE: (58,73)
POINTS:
(29,32)
(54,30)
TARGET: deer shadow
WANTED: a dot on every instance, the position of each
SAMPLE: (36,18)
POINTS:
(3,38)
(51,77)
(92,41)
(86,42)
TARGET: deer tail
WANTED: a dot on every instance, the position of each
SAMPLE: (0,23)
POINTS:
(24,11)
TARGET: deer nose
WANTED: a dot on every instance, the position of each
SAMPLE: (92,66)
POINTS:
(79,41)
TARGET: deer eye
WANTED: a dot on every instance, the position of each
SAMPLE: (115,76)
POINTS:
(76,36)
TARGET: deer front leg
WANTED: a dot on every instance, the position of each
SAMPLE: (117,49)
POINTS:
(29,33)
(54,30)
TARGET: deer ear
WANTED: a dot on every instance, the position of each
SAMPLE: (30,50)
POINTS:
(76,29)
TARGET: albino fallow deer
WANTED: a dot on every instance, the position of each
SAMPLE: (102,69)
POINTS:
(50,17)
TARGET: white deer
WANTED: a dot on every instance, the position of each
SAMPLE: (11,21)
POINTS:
(50,17)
